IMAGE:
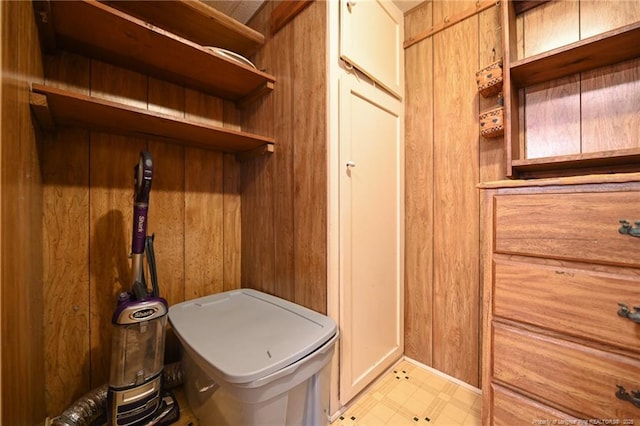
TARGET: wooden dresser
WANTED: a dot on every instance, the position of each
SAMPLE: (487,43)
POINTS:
(557,349)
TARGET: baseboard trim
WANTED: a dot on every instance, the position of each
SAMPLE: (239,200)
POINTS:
(444,375)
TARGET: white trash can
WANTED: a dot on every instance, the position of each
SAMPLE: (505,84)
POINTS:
(252,359)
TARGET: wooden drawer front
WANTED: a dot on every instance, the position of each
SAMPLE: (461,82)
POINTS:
(569,374)
(578,226)
(510,408)
(574,301)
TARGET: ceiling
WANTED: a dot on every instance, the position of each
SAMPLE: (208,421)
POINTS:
(243,10)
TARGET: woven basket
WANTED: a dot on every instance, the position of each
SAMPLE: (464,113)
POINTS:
(489,79)
(492,123)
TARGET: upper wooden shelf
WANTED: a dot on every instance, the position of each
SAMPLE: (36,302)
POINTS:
(595,52)
(53,106)
(195,21)
(97,30)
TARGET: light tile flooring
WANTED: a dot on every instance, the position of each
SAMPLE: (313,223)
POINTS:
(411,395)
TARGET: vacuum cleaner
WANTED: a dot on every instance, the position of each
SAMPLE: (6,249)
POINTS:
(135,394)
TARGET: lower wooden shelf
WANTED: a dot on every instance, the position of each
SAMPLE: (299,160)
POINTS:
(619,161)
(57,107)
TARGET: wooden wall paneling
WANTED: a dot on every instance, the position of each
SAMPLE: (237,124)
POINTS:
(551,25)
(609,112)
(416,20)
(603,15)
(490,49)
(64,162)
(285,12)
(167,199)
(284,196)
(232,273)
(232,205)
(609,117)
(257,179)
(551,110)
(456,205)
(258,254)
(283,161)
(444,10)
(65,168)
(112,158)
(419,134)
(204,214)
(21,297)
(552,118)
(204,232)
(276,115)
(492,151)
(310,157)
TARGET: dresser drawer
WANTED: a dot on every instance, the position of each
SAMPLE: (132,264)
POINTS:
(575,226)
(575,301)
(510,408)
(567,373)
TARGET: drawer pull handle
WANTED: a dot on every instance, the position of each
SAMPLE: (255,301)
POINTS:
(625,312)
(633,397)
(629,229)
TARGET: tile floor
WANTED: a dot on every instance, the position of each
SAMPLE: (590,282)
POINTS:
(412,395)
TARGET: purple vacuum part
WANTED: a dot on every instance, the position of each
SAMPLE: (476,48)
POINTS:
(143,176)
(139,228)
(131,311)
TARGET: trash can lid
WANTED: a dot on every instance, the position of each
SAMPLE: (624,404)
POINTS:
(246,334)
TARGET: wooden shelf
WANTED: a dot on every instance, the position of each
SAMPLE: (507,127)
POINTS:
(96,30)
(605,49)
(195,21)
(609,48)
(623,160)
(53,106)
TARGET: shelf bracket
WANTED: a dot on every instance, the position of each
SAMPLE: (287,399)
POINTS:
(267,148)
(44,21)
(256,94)
(40,109)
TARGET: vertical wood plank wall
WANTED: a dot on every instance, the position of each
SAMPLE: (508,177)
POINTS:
(21,296)
(284,197)
(445,159)
(87,191)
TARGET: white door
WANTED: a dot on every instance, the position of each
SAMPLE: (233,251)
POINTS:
(371,37)
(371,234)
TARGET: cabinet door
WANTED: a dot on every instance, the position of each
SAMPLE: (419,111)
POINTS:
(371,35)
(371,234)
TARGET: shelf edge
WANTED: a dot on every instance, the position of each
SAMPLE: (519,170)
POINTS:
(584,55)
(99,114)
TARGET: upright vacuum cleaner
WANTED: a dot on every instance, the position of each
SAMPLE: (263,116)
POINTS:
(135,395)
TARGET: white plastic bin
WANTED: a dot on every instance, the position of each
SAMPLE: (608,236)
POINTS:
(254,359)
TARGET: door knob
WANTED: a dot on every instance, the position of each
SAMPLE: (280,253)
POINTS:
(350,164)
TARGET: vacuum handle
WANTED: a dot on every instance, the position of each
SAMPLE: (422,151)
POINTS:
(139,228)
(143,173)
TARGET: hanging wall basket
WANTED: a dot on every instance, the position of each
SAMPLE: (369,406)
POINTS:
(489,79)
(492,123)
